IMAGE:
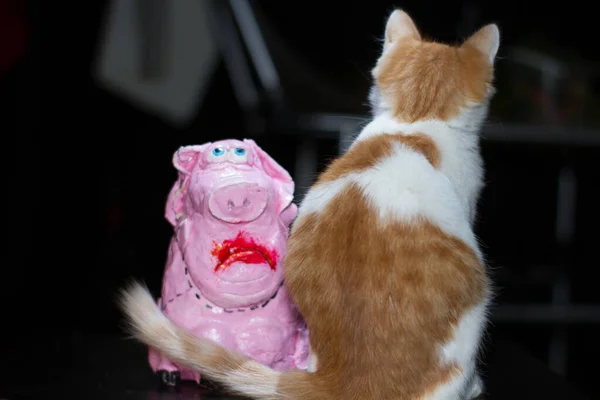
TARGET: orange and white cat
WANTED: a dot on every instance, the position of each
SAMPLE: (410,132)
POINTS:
(382,260)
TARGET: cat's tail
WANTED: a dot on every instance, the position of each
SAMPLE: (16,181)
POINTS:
(239,374)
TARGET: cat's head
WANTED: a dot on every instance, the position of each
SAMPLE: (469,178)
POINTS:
(417,79)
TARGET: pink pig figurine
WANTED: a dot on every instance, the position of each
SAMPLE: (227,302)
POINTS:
(231,209)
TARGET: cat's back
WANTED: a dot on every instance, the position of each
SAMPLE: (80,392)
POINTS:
(383,264)
(397,176)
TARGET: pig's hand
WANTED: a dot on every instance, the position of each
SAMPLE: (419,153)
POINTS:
(176,280)
(302,350)
(264,343)
(289,214)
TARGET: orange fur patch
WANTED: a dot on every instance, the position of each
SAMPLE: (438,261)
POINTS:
(426,80)
(379,299)
(367,153)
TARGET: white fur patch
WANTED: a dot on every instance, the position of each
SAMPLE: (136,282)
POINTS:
(405,185)
(312,361)
(476,388)
(468,331)
(402,186)
(462,351)
(458,142)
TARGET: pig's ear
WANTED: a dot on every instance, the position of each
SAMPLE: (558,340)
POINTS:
(174,206)
(284,181)
(186,157)
(169,210)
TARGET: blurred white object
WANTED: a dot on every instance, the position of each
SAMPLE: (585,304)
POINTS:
(158,54)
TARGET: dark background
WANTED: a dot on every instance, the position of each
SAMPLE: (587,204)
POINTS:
(87,173)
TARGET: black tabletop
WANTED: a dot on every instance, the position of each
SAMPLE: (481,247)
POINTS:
(95,366)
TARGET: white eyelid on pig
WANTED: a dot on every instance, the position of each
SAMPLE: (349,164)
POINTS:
(238,155)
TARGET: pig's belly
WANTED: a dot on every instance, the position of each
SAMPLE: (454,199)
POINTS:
(268,341)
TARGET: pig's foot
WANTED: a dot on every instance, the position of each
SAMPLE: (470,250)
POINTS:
(167,373)
(169,378)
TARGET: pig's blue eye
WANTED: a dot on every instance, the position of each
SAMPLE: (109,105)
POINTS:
(239,151)
(218,151)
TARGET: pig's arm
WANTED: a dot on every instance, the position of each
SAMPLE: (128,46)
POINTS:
(289,214)
(176,279)
(174,204)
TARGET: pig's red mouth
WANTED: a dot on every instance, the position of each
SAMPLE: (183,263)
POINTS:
(242,249)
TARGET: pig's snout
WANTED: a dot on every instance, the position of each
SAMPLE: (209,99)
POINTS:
(242,202)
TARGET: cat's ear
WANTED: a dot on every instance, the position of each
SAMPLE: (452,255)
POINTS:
(400,26)
(486,40)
